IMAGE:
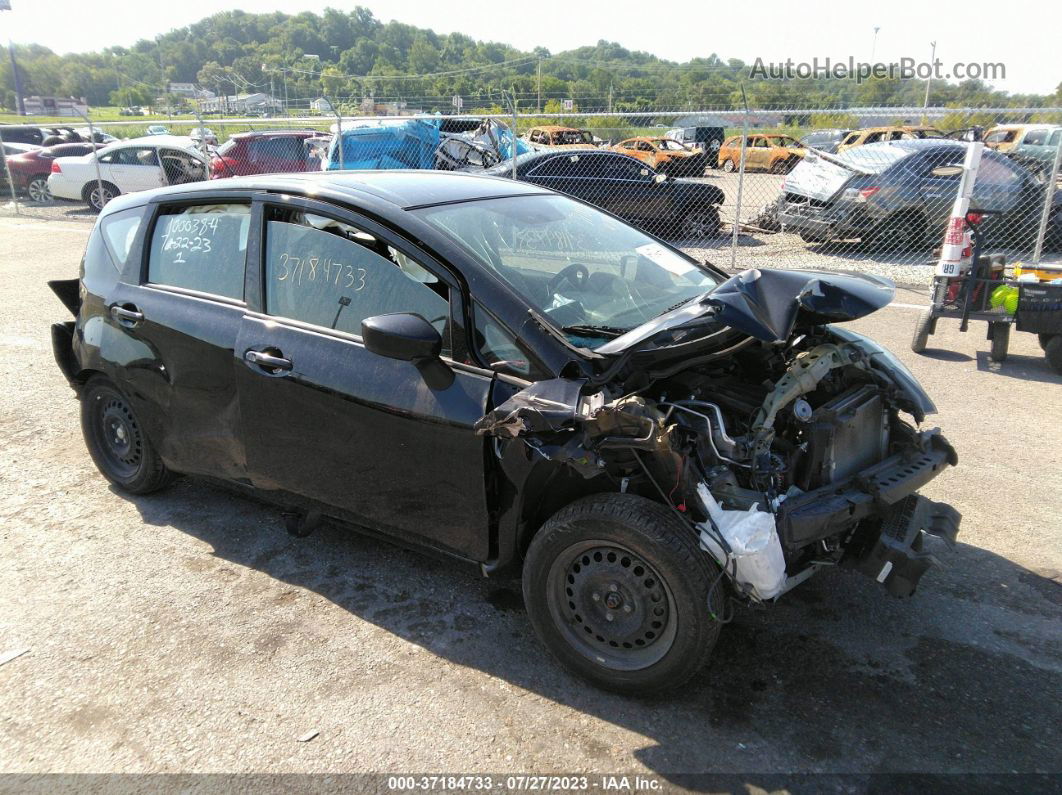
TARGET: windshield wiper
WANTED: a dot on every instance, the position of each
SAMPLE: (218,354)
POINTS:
(608,332)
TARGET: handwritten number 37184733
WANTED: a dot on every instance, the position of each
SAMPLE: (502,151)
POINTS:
(296,270)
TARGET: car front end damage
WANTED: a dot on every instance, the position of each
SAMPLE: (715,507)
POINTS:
(749,408)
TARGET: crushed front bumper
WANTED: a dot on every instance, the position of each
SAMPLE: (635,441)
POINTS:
(824,222)
(898,557)
(889,519)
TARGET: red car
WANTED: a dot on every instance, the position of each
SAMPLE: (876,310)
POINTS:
(30,170)
(265,152)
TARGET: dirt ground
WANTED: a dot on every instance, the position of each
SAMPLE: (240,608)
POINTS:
(187,632)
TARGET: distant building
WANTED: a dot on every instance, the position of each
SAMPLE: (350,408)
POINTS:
(55,106)
(321,105)
(369,107)
(189,91)
(241,103)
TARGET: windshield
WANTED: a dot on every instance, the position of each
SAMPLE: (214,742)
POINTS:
(589,274)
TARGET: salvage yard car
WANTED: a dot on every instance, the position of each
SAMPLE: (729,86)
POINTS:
(873,135)
(514,379)
(126,167)
(554,136)
(778,154)
(671,208)
(665,155)
(898,196)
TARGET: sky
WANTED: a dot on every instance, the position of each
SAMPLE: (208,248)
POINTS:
(1018,34)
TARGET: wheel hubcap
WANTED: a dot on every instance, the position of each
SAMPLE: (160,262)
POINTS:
(38,191)
(612,606)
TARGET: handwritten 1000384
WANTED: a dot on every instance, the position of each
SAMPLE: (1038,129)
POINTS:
(296,270)
(189,236)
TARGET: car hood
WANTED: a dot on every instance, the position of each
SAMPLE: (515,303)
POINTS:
(766,304)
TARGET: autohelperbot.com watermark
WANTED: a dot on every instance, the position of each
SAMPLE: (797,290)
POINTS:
(851,69)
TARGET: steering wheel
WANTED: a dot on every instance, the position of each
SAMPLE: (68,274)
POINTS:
(576,274)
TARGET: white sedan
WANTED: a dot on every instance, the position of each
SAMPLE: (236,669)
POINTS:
(126,167)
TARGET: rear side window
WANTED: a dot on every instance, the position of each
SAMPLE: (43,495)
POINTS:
(119,230)
(201,248)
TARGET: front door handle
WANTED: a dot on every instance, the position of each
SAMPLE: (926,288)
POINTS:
(270,363)
(127,315)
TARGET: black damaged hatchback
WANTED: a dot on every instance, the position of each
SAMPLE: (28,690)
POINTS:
(514,379)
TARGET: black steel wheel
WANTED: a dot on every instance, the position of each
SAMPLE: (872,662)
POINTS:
(618,590)
(116,440)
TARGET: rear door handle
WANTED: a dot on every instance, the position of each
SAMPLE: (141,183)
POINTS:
(128,315)
(267,362)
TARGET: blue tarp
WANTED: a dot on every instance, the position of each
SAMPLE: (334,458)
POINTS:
(398,143)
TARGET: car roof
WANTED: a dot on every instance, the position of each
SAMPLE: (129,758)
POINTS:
(176,141)
(558,128)
(243,136)
(402,189)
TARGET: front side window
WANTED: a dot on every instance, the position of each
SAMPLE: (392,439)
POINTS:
(1036,137)
(201,248)
(334,275)
(589,274)
(501,349)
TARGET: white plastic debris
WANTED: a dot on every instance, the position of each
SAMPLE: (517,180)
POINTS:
(755,549)
(8,656)
(308,736)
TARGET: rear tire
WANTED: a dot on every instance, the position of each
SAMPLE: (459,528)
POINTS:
(1053,353)
(627,557)
(898,233)
(1000,342)
(92,196)
(116,440)
(923,328)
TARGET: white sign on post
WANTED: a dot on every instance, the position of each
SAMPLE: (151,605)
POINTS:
(457,102)
(569,104)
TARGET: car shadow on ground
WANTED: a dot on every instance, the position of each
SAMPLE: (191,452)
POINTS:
(837,677)
(1027,368)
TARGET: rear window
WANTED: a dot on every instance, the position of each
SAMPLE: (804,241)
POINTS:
(873,159)
(201,248)
(276,150)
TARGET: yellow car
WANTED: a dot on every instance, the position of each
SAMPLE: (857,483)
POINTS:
(874,134)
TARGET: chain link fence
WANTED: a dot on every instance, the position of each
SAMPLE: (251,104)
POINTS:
(857,189)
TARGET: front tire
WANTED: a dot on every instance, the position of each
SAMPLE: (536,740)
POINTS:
(700,224)
(618,589)
(1053,353)
(1000,342)
(729,167)
(925,326)
(116,440)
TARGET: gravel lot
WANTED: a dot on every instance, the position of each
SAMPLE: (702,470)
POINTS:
(186,632)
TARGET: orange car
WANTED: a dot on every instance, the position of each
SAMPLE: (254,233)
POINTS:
(554,136)
(665,155)
(767,151)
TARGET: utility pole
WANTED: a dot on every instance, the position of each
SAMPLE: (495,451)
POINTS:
(540,85)
(929,80)
(5,5)
(874,46)
(610,97)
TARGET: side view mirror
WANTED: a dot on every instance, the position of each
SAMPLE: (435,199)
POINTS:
(408,338)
